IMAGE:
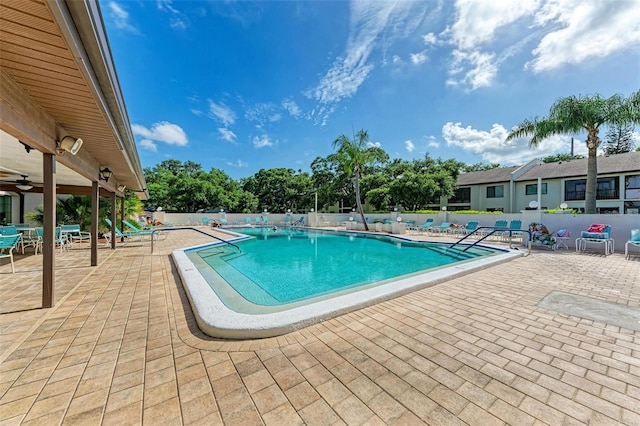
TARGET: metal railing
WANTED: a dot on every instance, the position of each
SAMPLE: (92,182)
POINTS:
(494,230)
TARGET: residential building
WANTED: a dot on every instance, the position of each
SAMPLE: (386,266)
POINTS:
(512,189)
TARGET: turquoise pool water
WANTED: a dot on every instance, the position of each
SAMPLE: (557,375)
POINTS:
(286,265)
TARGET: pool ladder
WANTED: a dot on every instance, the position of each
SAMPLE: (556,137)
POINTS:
(493,231)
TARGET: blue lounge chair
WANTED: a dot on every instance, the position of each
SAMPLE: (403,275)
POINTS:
(596,234)
(141,235)
(442,229)
(299,222)
(205,220)
(468,228)
(247,220)
(426,225)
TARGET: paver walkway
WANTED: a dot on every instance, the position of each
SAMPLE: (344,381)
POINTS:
(121,347)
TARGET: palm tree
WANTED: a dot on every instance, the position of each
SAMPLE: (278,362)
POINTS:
(575,114)
(353,155)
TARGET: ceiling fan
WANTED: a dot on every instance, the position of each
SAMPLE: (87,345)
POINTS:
(23,184)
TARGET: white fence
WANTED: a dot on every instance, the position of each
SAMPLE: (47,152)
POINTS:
(621,224)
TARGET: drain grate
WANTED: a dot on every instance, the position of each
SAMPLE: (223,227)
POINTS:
(593,309)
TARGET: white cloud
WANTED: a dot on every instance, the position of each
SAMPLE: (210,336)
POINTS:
(222,113)
(409,145)
(477,21)
(589,30)
(418,58)
(178,20)
(148,145)
(567,32)
(429,38)
(163,131)
(491,146)
(238,164)
(227,135)
(432,142)
(197,112)
(291,107)
(374,144)
(275,117)
(373,25)
(262,141)
(120,17)
(483,69)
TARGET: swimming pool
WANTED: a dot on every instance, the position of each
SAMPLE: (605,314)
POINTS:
(283,279)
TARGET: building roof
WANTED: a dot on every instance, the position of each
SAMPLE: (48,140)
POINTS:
(58,79)
(500,174)
(619,163)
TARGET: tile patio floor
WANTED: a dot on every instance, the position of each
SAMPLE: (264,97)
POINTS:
(121,347)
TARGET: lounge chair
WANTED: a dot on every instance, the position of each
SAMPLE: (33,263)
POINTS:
(247,220)
(425,226)
(540,236)
(205,220)
(513,230)
(299,222)
(598,233)
(442,229)
(9,242)
(468,228)
(142,234)
(634,241)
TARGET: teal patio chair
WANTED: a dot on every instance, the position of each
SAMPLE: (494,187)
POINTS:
(205,220)
(9,242)
(634,241)
(11,230)
(74,235)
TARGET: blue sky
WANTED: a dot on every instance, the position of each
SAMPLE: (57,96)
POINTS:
(241,85)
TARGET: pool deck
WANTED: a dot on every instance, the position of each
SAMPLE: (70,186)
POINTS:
(121,347)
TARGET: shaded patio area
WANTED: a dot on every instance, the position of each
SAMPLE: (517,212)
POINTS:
(121,347)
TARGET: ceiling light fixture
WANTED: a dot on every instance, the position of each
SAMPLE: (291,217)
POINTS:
(105,174)
(68,144)
(23,186)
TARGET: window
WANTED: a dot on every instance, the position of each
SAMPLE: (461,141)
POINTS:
(632,187)
(5,209)
(607,189)
(495,191)
(533,189)
(462,195)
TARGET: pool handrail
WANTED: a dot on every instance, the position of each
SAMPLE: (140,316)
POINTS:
(493,231)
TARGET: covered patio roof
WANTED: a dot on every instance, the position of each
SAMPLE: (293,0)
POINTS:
(57,79)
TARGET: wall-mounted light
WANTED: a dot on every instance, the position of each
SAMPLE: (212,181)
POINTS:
(68,144)
(121,188)
(105,174)
(26,147)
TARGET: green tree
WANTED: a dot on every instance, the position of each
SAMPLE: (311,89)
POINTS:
(353,156)
(560,157)
(619,139)
(479,167)
(576,114)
